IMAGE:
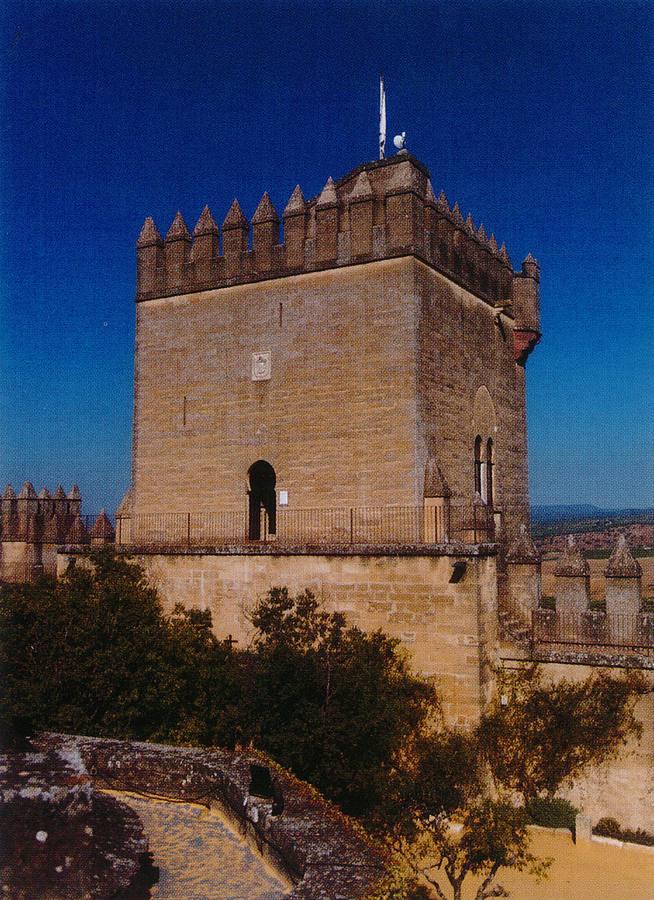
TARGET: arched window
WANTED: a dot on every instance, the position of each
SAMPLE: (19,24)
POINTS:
(478,479)
(262,497)
(489,472)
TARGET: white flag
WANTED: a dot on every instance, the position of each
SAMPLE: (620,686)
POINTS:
(382,118)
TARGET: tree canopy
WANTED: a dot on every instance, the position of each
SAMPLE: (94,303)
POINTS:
(333,703)
(94,653)
(545,734)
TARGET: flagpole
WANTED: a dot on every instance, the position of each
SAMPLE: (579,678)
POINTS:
(382,117)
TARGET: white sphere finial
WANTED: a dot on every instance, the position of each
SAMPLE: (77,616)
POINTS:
(400,141)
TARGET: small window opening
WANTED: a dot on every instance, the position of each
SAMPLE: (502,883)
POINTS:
(489,472)
(478,479)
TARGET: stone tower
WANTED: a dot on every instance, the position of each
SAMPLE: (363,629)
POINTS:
(372,357)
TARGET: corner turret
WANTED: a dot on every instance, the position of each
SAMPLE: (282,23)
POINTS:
(526,306)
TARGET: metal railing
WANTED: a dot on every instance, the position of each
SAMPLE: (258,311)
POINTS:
(593,630)
(341,525)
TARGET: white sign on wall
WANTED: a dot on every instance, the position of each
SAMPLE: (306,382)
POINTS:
(261,366)
(283,498)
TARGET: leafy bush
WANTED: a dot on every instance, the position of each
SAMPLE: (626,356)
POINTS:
(609,827)
(334,704)
(552,812)
(94,654)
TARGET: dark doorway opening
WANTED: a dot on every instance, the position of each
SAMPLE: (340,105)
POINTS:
(262,518)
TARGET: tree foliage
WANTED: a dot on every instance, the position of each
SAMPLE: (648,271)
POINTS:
(455,815)
(93,653)
(330,702)
(546,734)
(443,825)
(479,839)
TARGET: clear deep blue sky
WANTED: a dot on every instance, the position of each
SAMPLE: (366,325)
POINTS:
(537,118)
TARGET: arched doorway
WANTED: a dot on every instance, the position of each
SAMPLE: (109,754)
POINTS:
(262,498)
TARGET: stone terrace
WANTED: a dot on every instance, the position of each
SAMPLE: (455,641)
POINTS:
(311,841)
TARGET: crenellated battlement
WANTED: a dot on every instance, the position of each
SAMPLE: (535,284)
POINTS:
(40,518)
(33,525)
(380,210)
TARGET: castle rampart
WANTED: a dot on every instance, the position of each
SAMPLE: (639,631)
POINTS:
(380,210)
(33,526)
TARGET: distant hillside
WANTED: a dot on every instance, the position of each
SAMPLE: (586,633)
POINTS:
(556,512)
(585,518)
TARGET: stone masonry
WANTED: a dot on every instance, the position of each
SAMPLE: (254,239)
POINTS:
(376,342)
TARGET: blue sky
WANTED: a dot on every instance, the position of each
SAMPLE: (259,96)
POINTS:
(536,117)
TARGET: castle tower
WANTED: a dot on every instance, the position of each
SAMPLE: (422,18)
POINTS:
(383,332)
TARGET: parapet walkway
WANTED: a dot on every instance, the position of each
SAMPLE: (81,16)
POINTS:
(199,854)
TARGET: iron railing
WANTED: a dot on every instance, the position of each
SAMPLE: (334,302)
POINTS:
(341,525)
(593,630)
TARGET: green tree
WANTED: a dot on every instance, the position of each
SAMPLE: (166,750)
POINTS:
(206,682)
(453,813)
(445,827)
(93,653)
(331,703)
(544,734)
(479,839)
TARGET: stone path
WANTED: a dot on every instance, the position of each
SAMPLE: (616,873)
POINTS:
(199,856)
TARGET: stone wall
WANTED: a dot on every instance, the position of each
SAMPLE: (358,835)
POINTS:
(374,369)
(310,840)
(449,629)
(469,385)
(62,838)
(336,419)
